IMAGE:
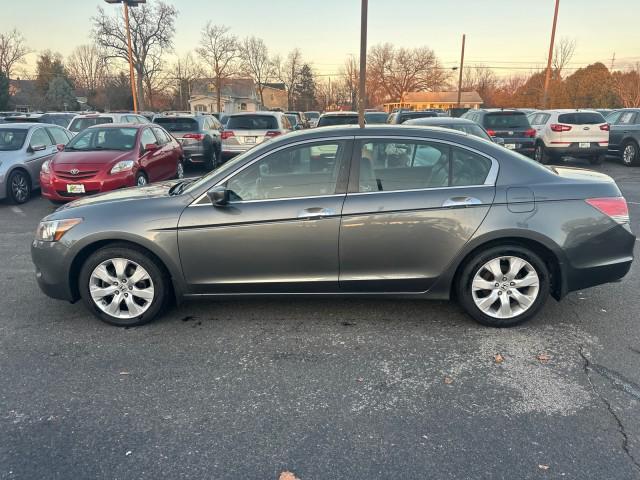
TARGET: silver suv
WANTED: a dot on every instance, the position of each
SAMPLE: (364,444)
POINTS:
(24,147)
(80,122)
(244,131)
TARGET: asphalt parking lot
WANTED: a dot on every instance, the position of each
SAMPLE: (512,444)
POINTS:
(327,389)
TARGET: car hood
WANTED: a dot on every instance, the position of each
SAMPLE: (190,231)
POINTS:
(154,190)
(95,158)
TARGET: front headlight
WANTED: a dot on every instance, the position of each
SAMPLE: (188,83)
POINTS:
(46,169)
(53,230)
(122,166)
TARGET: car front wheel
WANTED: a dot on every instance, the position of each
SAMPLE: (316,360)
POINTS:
(19,187)
(503,286)
(141,179)
(123,286)
(630,154)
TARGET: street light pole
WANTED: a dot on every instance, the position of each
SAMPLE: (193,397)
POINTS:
(547,76)
(363,61)
(461,69)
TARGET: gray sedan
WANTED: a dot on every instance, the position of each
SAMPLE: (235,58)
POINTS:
(24,147)
(405,211)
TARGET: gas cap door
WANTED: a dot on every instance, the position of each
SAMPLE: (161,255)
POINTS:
(520,199)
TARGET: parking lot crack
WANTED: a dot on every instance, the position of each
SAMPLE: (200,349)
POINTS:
(589,367)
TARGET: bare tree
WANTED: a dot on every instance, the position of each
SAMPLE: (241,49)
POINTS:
(256,63)
(562,55)
(87,67)
(351,77)
(627,86)
(397,71)
(12,51)
(152,30)
(481,79)
(184,71)
(220,50)
(289,73)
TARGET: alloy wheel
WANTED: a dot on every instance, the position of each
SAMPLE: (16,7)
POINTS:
(180,171)
(141,181)
(629,154)
(20,188)
(121,288)
(505,287)
(538,154)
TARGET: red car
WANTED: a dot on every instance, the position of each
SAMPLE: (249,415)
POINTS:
(107,157)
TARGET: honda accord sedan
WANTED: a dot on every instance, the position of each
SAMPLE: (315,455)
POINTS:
(407,211)
(107,157)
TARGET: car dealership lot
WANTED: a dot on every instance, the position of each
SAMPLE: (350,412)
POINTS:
(324,388)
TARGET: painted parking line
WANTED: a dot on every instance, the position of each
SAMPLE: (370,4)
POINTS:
(633,203)
(19,211)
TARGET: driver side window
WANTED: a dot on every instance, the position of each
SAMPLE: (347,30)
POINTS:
(40,137)
(300,171)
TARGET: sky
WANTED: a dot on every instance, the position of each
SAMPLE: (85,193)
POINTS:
(510,36)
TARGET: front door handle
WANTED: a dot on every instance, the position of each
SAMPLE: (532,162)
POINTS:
(316,212)
(461,202)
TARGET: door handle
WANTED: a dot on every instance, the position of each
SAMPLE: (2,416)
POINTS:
(316,212)
(461,202)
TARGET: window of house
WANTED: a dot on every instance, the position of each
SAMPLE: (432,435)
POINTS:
(243,106)
(201,108)
(299,171)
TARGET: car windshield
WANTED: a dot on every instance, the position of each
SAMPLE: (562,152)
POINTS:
(252,122)
(104,139)
(338,120)
(409,115)
(312,114)
(293,120)
(506,120)
(376,117)
(177,124)
(474,130)
(79,124)
(12,138)
(581,118)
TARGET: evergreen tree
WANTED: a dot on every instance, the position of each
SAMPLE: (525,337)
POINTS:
(4,92)
(305,89)
(60,95)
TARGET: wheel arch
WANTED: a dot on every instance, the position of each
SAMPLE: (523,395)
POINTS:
(22,169)
(543,247)
(88,249)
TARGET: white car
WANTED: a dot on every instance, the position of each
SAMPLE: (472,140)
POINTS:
(85,120)
(570,133)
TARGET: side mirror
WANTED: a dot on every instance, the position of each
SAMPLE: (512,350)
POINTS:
(219,196)
(498,140)
(151,147)
(36,148)
(60,147)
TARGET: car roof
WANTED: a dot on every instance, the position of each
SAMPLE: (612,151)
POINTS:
(121,125)
(338,114)
(440,121)
(259,112)
(572,110)
(25,125)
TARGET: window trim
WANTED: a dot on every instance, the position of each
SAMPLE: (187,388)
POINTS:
(345,165)
(354,179)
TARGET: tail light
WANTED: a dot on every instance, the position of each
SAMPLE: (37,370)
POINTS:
(558,127)
(531,132)
(272,133)
(605,127)
(492,133)
(227,134)
(195,136)
(614,207)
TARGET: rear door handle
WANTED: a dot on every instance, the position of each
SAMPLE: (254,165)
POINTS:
(461,202)
(316,212)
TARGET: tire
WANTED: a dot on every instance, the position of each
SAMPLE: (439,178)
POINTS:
(211,159)
(153,287)
(141,179)
(630,153)
(19,187)
(541,155)
(180,170)
(530,299)
(596,160)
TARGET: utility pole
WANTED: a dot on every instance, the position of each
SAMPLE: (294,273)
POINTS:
(547,77)
(461,70)
(363,61)
(126,4)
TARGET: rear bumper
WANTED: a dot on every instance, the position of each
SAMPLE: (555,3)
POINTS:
(574,150)
(526,146)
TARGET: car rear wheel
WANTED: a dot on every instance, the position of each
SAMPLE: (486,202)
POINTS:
(180,170)
(123,286)
(141,179)
(211,160)
(540,154)
(630,153)
(503,286)
(19,187)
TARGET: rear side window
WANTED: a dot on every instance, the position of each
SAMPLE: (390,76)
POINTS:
(581,118)
(505,120)
(79,124)
(468,168)
(177,124)
(252,122)
(627,118)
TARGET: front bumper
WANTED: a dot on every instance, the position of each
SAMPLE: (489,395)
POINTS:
(574,150)
(51,271)
(55,188)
